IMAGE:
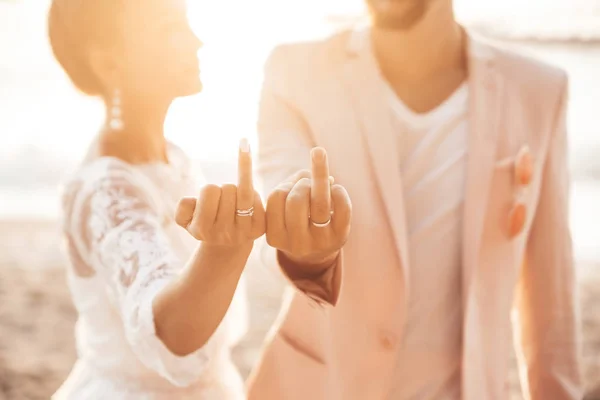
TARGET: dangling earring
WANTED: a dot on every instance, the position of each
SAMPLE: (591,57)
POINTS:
(115,122)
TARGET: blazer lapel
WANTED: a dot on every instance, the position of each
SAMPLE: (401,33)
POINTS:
(372,107)
(486,90)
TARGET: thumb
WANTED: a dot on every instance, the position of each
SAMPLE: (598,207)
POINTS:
(185,211)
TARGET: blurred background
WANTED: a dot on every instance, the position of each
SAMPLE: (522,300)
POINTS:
(45,126)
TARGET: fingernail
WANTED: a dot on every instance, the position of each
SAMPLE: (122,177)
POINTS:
(244,146)
(318,154)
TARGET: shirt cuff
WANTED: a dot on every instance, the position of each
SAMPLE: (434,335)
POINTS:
(181,371)
(323,288)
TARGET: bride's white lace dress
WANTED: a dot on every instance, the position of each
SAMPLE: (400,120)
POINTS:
(124,247)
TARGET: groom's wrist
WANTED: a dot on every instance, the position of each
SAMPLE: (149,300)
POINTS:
(306,267)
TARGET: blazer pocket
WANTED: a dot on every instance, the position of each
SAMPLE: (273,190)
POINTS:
(502,197)
(518,166)
(507,163)
(503,180)
(505,174)
(506,198)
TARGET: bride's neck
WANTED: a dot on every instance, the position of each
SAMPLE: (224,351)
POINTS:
(141,139)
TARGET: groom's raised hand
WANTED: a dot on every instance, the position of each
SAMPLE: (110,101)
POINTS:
(308,217)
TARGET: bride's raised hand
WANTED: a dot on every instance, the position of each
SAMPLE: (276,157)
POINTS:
(227,216)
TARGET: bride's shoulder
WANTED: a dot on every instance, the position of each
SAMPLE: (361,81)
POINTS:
(98,175)
(102,169)
(100,181)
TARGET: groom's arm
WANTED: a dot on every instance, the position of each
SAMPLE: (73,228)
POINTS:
(547,301)
(285,142)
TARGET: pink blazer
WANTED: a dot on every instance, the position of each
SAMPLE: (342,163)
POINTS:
(337,338)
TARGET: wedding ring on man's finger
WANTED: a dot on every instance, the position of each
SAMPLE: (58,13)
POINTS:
(248,212)
(321,225)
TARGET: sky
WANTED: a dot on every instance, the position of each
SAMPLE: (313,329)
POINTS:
(237,36)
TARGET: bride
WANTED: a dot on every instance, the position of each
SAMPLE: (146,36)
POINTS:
(156,304)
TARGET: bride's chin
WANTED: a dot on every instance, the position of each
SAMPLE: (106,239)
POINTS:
(193,88)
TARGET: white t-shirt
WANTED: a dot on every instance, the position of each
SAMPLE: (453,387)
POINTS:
(433,148)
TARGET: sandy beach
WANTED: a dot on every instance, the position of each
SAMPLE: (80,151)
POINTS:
(36,315)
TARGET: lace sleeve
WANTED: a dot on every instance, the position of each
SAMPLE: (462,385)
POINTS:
(129,250)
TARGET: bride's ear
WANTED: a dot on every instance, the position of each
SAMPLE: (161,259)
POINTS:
(105,67)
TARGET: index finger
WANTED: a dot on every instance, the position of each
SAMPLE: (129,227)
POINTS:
(245,187)
(320,192)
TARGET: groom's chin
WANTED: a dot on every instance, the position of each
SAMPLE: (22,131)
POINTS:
(396,14)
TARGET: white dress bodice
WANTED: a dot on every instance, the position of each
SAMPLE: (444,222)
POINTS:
(124,247)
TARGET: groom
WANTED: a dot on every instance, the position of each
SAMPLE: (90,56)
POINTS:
(454,155)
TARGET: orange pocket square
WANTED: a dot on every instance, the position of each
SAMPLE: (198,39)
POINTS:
(523,167)
(523,173)
(516,219)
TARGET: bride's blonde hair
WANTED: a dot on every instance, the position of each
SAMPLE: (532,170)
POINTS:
(75,27)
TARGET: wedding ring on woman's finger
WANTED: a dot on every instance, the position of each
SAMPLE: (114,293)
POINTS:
(248,212)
